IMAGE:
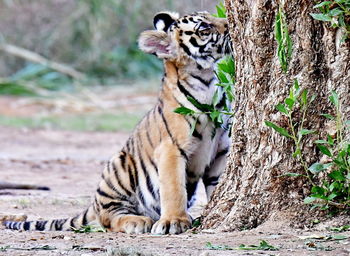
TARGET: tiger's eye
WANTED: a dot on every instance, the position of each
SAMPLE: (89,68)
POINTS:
(204,26)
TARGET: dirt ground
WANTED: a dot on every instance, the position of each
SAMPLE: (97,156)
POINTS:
(70,164)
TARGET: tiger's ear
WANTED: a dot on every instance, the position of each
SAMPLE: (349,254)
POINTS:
(156,42)
(163,20)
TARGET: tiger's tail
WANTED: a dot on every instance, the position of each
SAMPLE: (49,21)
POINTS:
(67,224)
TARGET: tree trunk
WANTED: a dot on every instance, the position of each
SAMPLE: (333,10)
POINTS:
(251,191)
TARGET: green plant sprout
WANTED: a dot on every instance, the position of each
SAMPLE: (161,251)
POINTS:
(89,229)
(335,190)
(284,42)
(298,99)
(220,11)
(337,12)
(263,246)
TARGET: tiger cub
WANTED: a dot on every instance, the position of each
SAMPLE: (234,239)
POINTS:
(151,183)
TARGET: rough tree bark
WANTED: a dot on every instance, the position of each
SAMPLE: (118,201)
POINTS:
(249,192)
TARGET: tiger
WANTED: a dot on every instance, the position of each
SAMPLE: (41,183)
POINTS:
(151,183)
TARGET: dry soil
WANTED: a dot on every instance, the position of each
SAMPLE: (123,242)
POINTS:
(70,164)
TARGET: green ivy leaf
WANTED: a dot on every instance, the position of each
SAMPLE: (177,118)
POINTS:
(227,65)
(330,140)
(335,12)
(282,108)
(231,64)
(229,93)
(318,167)
(337,175)
(326,3)
(309,200)
(200,106)
(193,126)
(184,111)
(266,246)
(278,129)
(220,9)
(223,67)
(278,33)
(284,42)
(324,149)
(340,1)
(305,132)
(321,17)
(296,153)
(332,196)
(321,142)
(296,88)
(216,98)
(304,97)
(222,77)
(334,98)
(313,97)
(341,21)
(290,102)
(214,115)
(333,186)
(328,116)
(318,192)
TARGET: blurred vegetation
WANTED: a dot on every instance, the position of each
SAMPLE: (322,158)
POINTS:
(97,38)
(78,122)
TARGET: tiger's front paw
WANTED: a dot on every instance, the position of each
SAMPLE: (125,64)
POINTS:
(132,224)
(175,225)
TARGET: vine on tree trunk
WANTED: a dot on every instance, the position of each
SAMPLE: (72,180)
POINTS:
(337,12)
(284,49)
(332,191)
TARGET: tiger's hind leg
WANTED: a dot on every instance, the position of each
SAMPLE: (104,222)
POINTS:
(127,222)
(116,201)
(120,216)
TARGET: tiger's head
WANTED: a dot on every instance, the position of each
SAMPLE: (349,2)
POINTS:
(197,38)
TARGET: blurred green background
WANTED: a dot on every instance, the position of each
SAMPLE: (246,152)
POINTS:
(97,39)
